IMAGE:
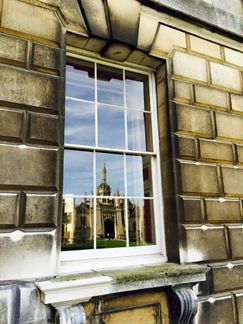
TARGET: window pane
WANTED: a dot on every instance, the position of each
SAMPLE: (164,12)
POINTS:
(139,131)
(109,174)
(78,173)
(111,127)
(137,91)
(80,81)
(110,85)
(141,222)
(139,180)
(77,224)
(79,122)
(110,223)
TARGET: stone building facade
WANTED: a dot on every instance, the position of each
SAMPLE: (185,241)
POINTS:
(194,49)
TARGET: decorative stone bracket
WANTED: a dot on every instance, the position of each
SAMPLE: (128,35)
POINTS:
(70,315)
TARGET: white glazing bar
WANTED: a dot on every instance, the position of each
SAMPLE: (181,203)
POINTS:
(110,197)
(94,192)
(96,107)
(125,106)
(126,204)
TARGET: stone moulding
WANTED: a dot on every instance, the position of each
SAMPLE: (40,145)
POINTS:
(70,315)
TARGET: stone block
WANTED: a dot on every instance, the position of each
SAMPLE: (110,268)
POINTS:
(237,102)
(167,38)
(23,165)
(239,302)
(11,122)
(12,48)
(46,57)
(41,209)
(225,76)
(215,310)
(124,19)
(236,240)
(9,208)
(43,128)
(33,254)
(117,51)
(240,153)
(22,87)
(229,126)
(205,47)
(199,178)
(182,90)
(186,146)
(216,150)
(148,25)
(225,278)
(189,66)
(6,307)
(47,25)
(223,210)
(233,180)
(233,57)
(192,209)
(194,120)
(210,97)
(204,244)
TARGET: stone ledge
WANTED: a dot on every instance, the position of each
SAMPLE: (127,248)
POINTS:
(81,287)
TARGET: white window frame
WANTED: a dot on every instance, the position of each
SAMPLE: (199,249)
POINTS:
(82,260)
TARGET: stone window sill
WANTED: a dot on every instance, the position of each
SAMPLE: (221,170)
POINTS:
(80,287)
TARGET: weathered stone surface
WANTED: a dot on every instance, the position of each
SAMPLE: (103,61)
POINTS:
(194,120)
(6,307)
(182,90)
(47,57)
(219,310)
(239,297)
(92,10)
(204,47)
(199,178)
(233,180)
(12,48)
(148,25)
(240,153)
(34,255)
(189,66)
(186,146)
(47,25)
(236,240)
(225,278)
(237,102)
(117,51)
(95,44)
(41,209)
(43,127)
(225,76)
(223,210)
(28,88)
(8,209)
(205,244)
(229,126)
(233,57)
(216,150)
(124,18)
(23,165)
(11,122)
(192,209)
(167,38)
(210,97)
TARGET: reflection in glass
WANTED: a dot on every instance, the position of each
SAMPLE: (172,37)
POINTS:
(110,222)
(109,174)
(111,127)
(79,122)
(78,173)
(110,85)
(80,81)
(139,131)
(137,91)
(141,222)
(77,223)
(139,182)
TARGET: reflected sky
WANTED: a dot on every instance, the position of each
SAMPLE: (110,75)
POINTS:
(110,85)
(80,81)
(135,185)
(111,127)
(79,123)
(78,173)
(136,131)
(114,171)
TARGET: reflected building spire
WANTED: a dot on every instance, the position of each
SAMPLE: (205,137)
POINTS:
(103,179)
(103,188)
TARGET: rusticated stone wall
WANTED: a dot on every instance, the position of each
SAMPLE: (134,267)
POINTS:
(31,99)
